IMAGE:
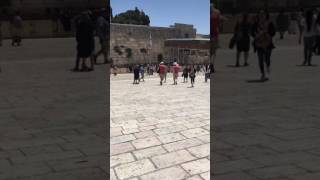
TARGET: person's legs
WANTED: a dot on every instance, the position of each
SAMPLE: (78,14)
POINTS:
(161,78)
(192,81)
(305,51)
(246,57)
(268,59)
(92,62)
(76,68)
(19,40)
(84,66)
(311,50)
(261,56)
(281,34)
(238,58)
(309,56)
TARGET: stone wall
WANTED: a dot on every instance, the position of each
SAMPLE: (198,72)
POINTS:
(137,37)
(124,36)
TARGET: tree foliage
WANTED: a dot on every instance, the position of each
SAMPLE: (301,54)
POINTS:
(136,16)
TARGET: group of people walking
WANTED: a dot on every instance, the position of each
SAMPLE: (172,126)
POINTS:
(188,71)
(310,28)
(262,30)
(16,28)
(86,28)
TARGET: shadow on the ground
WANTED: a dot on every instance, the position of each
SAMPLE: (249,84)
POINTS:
(257,81)
(234,66)
(312,65)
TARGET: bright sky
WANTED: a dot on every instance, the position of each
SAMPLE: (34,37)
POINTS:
(164,13)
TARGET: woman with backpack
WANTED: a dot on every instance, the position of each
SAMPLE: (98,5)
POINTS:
(263,32)
(242,38)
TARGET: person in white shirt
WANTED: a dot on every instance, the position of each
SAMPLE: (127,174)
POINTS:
(309,32)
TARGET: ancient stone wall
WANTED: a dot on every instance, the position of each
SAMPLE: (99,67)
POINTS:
(123,36)
(137,37)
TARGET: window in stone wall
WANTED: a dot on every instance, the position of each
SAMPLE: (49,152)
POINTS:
(193,52)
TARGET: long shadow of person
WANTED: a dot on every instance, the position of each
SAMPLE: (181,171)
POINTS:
(258,80)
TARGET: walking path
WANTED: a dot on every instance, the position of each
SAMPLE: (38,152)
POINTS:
(270,130)
(159,132)
(52,120)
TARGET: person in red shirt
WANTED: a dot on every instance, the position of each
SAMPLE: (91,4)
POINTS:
(162,71)
(175,69)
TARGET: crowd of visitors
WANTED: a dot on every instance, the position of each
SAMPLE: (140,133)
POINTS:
(260,30)
(162,69)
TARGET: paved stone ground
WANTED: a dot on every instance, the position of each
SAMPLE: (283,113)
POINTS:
(52,120)
(159,132)
(266,131)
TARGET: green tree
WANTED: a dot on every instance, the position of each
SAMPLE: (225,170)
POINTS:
(132,17)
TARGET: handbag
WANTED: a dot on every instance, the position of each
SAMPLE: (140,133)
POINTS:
(263,41)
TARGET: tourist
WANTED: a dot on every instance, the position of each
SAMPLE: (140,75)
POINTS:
(185,74)
(130,68)
(175,73)
(1,38)
(85,41)
(214,32)
(162,70)
(317,35)
(282,23)
(198,69)
(136,74)
(192,75)
(300,21)
(142,72)
(165,74)
(102,32)
(16,28)
(207,73)
(263,33)
(242,38)
(148,69)
(309,25)
(115,70)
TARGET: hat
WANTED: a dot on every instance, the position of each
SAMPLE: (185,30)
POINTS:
(162,62)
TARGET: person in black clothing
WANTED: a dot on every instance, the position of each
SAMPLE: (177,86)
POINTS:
(263,31)
(136,74)
(185,74)
(85,41)
(242,36)
(282,23)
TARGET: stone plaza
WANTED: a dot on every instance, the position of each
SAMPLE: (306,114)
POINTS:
(270,130)
(159,132)
(52,120)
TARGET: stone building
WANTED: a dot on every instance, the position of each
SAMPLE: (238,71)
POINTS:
(144,44)
(188,51)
